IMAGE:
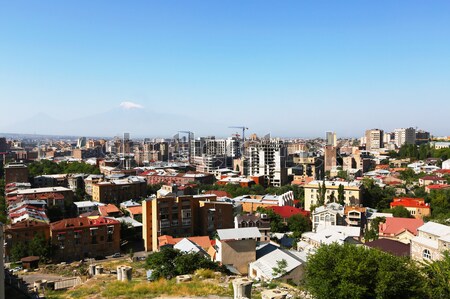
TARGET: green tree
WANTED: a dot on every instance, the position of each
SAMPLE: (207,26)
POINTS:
(169,262)
(321,193)
(348,271)
(298,224)
(341,195)
(280,269)
(163,263)
(343,174)
(399,212)
(438,277)
(19,250)
(38,246)
(372,233)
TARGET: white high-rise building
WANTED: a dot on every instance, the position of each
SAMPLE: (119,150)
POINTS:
(268,158)
(405,136)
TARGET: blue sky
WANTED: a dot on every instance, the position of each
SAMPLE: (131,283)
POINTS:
(292,68)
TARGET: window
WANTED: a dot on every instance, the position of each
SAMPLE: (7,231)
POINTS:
(426,254)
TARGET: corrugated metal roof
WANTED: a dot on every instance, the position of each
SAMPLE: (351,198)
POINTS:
(239,233)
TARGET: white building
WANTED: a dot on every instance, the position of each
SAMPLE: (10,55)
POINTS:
(405,136)
(268,158)
(446,164)
(432,240)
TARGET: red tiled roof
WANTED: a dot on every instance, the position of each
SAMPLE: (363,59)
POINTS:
(409,202)
(443,171)
(287,211)
(431,178)
(135,210)
(71,223)
(395,226)
(108,209)
(438,187)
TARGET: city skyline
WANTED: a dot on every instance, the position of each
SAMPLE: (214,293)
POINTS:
(290,69)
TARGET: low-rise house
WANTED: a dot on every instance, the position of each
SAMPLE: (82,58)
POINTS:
(400,229)
(87,206)
(83,237)
(390,246)
(261,221)
(236,248)
(328,215)
(286,212)
(187,246)
(263,268)
(135,212)
(333,234)
(432,240)
(251,202)
(430,188)
(355,216)
(109,210)
(431,180)
(203,241)
(416,206)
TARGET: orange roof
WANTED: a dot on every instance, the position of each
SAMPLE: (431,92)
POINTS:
(382,166)
(350,208)
(108,209)
(395,226)
(137,210)
(202,241)
(409,202)
(437,187)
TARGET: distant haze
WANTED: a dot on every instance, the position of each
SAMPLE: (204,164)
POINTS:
(289,68)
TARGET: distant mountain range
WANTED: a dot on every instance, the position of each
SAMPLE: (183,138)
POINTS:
(138,122)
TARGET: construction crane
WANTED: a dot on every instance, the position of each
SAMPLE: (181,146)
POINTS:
(243,131)
(243,128)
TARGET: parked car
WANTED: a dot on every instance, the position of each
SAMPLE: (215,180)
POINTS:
(117,254)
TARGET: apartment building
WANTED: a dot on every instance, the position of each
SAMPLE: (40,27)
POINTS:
(307,166)
(84,237)
(268,158)
(352,192)
(404,136)
(117,191)
(374,139)
(23,232)
(183,216)
(16,173)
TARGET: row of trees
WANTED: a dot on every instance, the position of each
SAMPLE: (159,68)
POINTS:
(421,152)
(49,167)
(348,271)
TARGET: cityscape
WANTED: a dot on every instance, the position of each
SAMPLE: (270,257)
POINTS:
(187,149)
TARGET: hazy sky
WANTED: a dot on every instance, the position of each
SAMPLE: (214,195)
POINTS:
(292,68)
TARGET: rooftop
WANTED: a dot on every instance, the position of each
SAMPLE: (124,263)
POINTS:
(239,233)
